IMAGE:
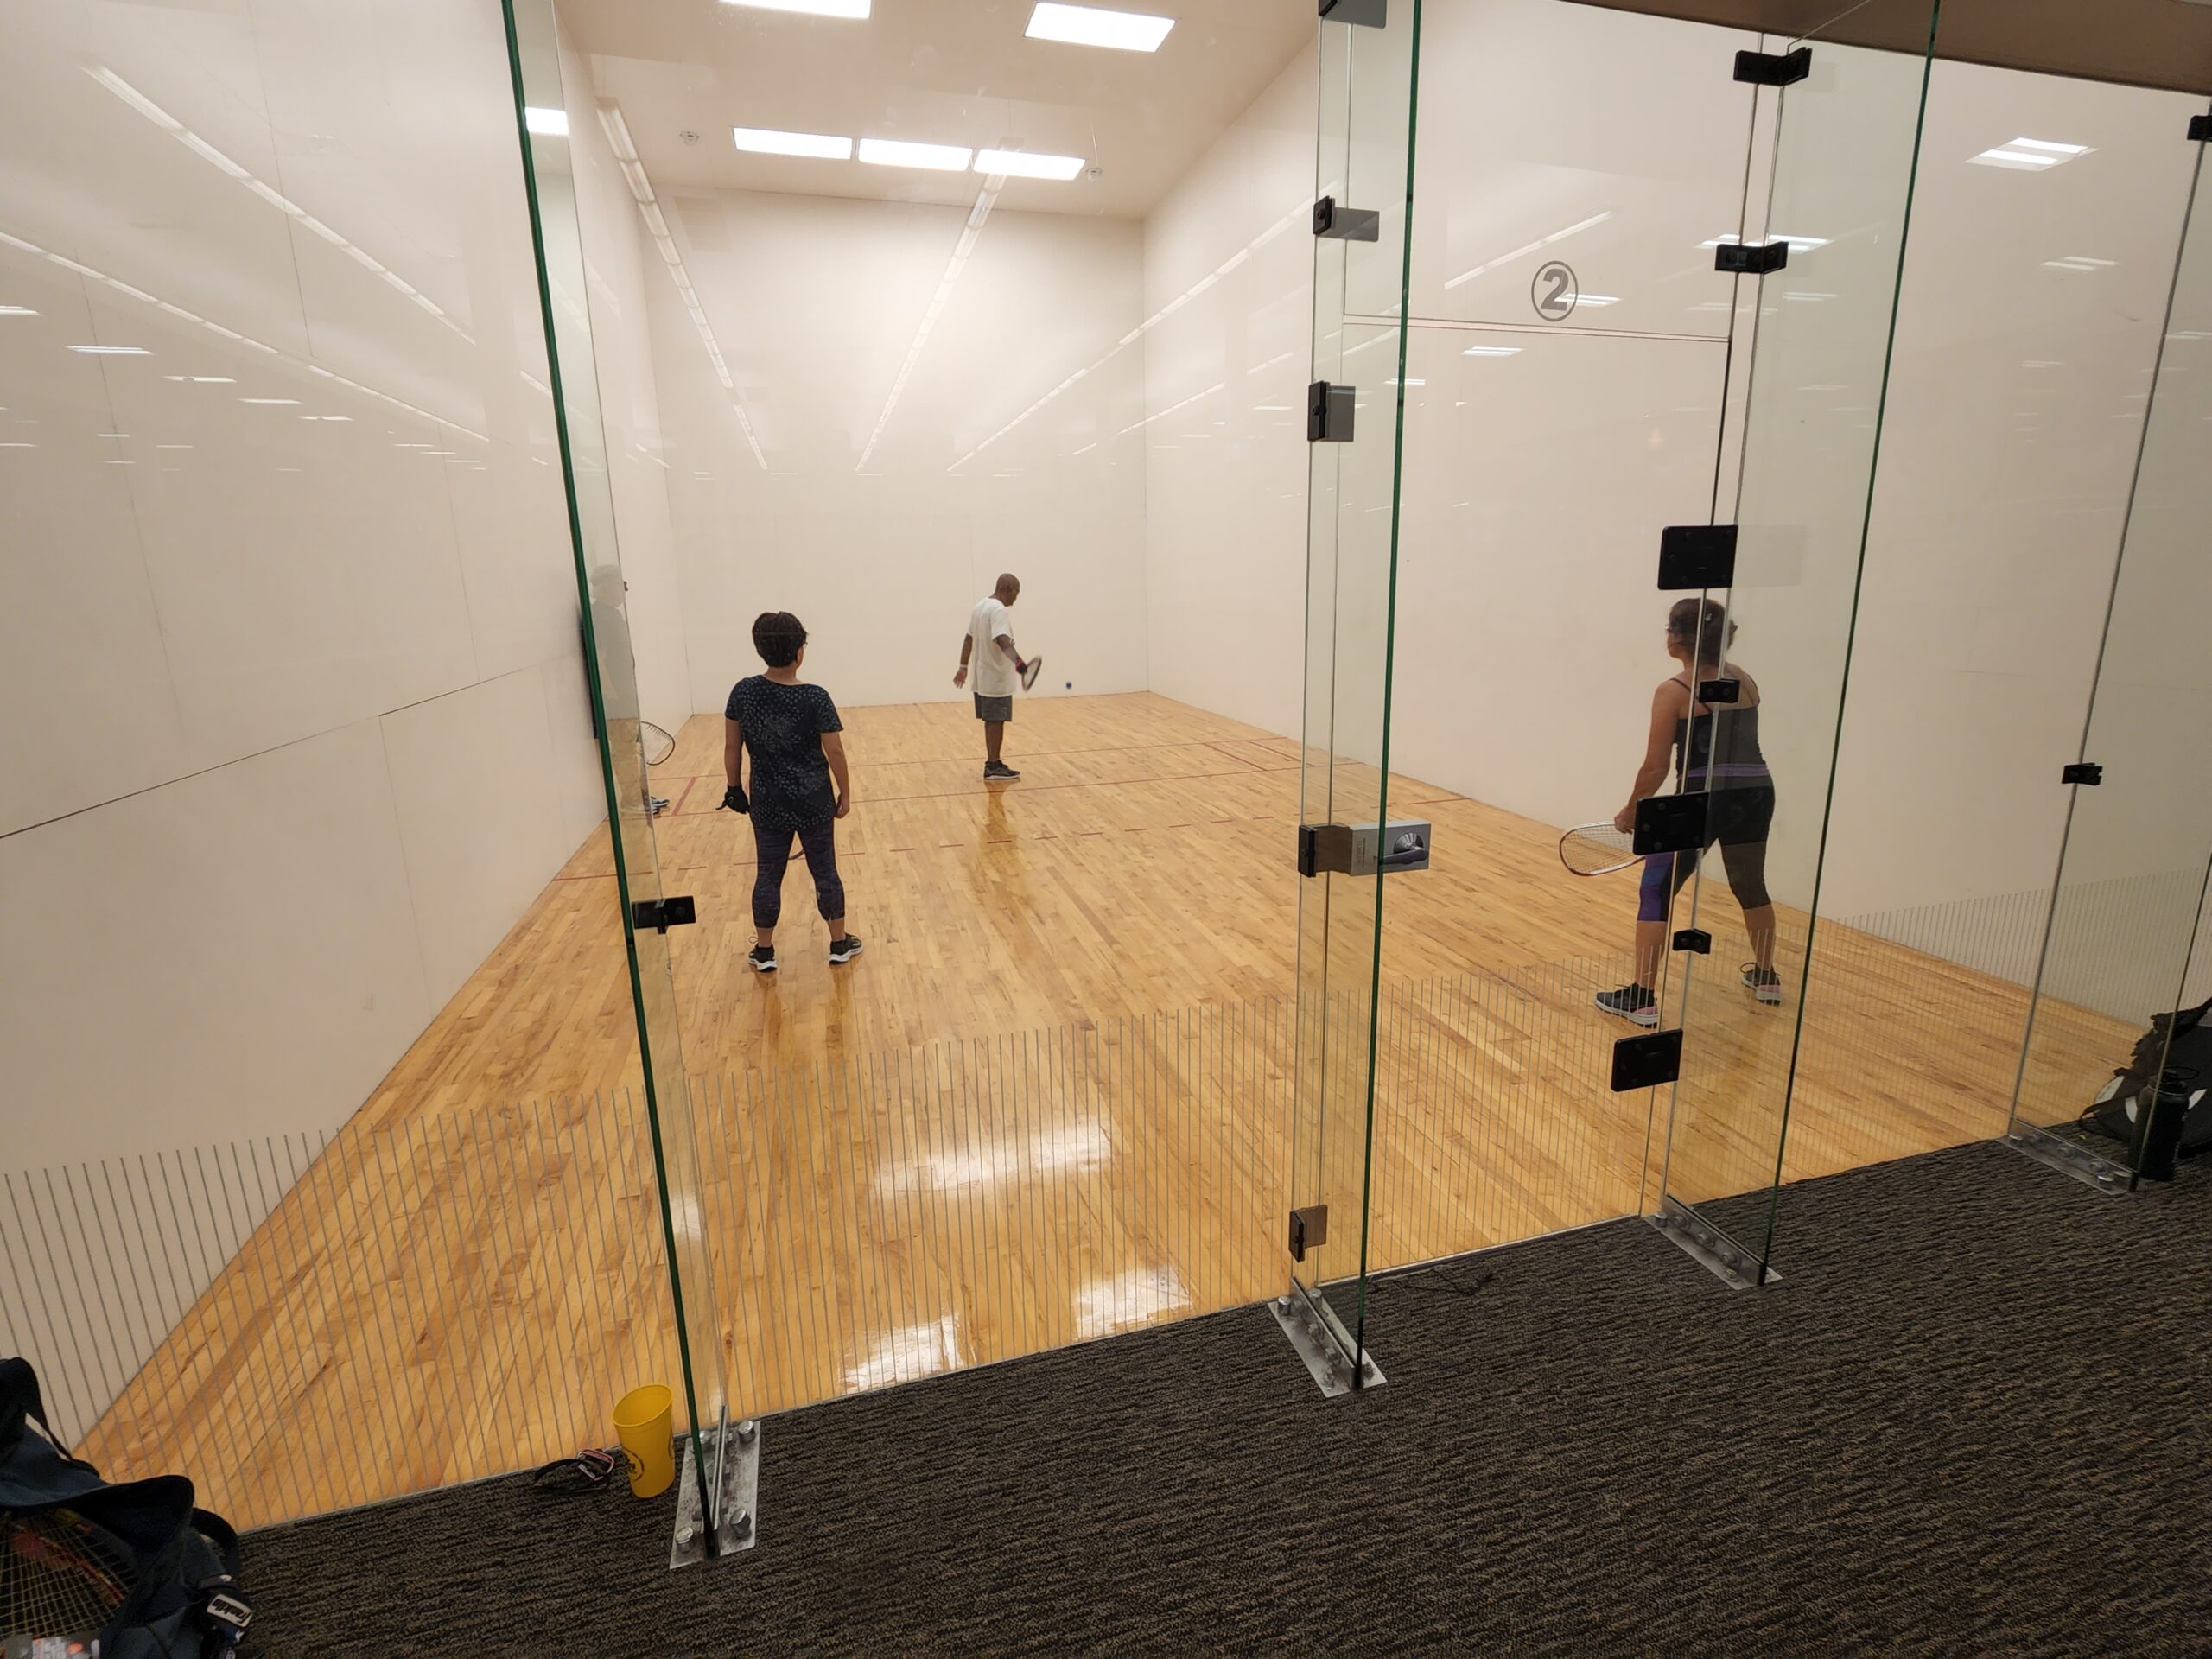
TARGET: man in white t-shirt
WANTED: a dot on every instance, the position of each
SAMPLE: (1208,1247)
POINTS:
(989,645)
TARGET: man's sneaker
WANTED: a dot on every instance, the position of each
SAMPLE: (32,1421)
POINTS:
(846,948)
(1763,983)
(997,771)
(1634,1003)
(763,958)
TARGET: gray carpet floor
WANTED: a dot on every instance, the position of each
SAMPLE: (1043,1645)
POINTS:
(1971,1420)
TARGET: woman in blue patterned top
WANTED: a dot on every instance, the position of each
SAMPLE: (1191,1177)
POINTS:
(800,783)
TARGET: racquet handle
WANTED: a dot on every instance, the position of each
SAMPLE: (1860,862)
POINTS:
(734,800)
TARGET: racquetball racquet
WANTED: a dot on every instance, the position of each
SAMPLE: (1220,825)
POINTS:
(1030,671)
(59,1576)
(657,743)
(1597,849)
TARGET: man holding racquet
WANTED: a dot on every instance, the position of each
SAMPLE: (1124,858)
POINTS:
(989,645)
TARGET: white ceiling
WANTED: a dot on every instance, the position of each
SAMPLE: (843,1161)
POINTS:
(958,72)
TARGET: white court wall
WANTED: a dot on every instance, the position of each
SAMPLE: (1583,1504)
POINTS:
(311,729)
(880,519)
(2014,417)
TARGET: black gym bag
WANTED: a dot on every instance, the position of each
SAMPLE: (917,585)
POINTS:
(162,1574)
(2187,1053)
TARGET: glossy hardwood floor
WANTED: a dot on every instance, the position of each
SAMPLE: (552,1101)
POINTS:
(1052,1101)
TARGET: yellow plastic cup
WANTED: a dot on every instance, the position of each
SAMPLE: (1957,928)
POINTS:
(645,1423)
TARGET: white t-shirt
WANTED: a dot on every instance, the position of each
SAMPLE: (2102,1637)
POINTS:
(991,668)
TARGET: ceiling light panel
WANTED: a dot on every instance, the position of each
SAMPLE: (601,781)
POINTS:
(854,10)
(1123,31)
(819,146)
(555,122)
(935,158)
(2029,155)
(1025,164)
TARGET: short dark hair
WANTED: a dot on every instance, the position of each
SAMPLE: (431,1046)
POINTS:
(778,636)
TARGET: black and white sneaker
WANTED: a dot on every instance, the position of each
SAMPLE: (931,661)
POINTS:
(846,948)
(1763,983)
(997,771)
(1634,1003)
(763,958)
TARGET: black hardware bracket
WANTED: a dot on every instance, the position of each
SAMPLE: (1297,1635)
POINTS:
(1647,1061)
(2083,771)
(1741,259)
(1697,555)
(2200,129)
(1695,940)
(1774,68)
(1329,412)
(1670,823)
(1346,224)
(661,914)
(1367,13)
(1309,1230)
(1720,690)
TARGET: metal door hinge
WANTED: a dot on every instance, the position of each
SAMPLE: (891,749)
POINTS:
(1720,690)
(1368,14)
(2088,772)
(1670,823)
(1695,940)
(661,914)
(1346,224)
(1647,1061)
(1329,412)
(1743,259)
(2200,129)
(1774,68)
(1309,1230)
(1697,555)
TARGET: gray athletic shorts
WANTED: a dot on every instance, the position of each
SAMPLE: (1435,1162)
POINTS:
(993,708)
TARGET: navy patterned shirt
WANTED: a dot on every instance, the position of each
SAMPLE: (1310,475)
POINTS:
(783,726)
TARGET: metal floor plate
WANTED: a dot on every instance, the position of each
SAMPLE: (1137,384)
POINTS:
(740,1478)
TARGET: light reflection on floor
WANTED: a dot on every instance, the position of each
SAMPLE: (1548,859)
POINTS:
(1080,1148)
(1139,1296)
(908,1352)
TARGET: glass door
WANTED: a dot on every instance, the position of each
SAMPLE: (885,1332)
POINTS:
(2130,898)
(1363,185)
(1761,620)
(547,103)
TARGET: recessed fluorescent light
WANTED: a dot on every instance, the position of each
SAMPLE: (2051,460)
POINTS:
(2030,155)
(897,152)
(16,311)
(1125,31)
(552,121)
(1491,351)
(765,141)
(1798,244)
(1024,164)
(1407,382)
(269,400)
(1598,299)
(112,351)
(855,10)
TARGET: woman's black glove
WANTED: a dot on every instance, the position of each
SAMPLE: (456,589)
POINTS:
(734,800)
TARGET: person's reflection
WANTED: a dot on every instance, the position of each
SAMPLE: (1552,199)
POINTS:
(616,669)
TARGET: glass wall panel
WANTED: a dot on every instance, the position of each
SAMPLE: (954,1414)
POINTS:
(1764,654)
(545,108)
(1365,168)
(2128,907)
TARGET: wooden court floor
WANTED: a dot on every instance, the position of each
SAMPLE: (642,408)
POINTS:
(1052,1101)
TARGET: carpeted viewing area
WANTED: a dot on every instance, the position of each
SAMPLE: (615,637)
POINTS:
(1972,1420)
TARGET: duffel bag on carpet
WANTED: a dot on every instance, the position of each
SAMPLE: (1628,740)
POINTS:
(134,1571)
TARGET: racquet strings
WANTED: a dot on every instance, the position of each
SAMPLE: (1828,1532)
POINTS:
(59,1577)
(1596,849)
(657,743)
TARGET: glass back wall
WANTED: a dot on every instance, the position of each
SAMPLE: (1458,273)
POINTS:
(2124,943)
(1365,168)
(1769,641)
